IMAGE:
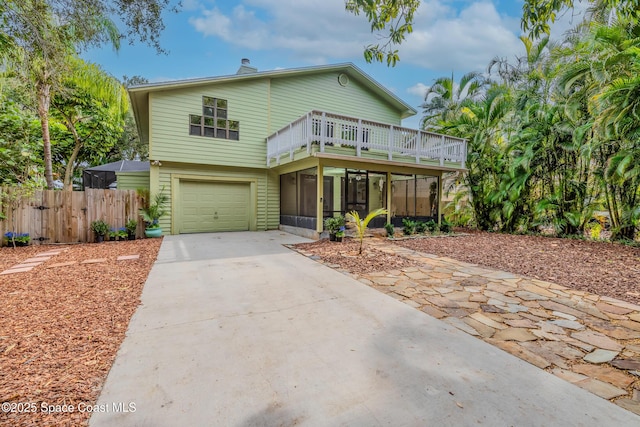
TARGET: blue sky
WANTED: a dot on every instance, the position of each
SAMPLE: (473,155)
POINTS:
(210,37)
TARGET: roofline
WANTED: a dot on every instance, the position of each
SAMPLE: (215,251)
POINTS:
(171,84)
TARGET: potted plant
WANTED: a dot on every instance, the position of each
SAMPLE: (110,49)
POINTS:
(100,229)
(17,239)
(122,233)
(332,225)
(131,226)
(340,234)
(152,213)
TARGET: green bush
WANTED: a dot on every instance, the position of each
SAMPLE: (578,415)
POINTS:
(408,227)
(99,227)
(446,226)
(432,226)
(333,223)
(131,226)
(421,227)
(391,230)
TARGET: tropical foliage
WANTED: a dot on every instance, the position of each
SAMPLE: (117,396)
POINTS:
(362,223)
(43,78)
(554,137)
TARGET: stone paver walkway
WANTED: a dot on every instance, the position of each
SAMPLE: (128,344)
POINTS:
(30,263)
(589,340)
(40,258)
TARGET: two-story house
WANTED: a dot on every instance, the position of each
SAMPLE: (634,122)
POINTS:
(287,148)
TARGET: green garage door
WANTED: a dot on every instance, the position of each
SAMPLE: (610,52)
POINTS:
(214,206)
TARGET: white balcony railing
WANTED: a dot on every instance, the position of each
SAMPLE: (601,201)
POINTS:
(326,129)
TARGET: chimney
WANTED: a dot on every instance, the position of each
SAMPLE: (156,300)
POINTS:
(245,67)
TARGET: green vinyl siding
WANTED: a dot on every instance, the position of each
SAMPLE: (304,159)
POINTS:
(170,111)
(261,106)
(292,97)
(132,180)
(264,206)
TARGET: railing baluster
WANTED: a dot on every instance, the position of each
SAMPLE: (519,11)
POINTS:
(390,150)
(290,142)
(358,139)
(323,131)
(361,134)
(309,131)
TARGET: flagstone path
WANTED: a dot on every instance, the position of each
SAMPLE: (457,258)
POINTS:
(586,339)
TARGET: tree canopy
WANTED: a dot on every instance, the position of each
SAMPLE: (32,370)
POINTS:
(395,16)
(40,38)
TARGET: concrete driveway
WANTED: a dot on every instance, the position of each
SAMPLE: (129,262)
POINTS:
(236,330)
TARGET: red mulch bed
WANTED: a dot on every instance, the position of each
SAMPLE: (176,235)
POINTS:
(345,255)
(61,327)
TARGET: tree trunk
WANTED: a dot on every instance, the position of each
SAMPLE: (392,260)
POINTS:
(44,101)
(68,173)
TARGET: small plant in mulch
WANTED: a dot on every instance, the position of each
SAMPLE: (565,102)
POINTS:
(421,227)
(446,226)
(408,227)
(362,224)
(432,226)
(391,230)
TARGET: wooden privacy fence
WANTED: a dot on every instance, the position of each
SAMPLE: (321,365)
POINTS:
(51,216)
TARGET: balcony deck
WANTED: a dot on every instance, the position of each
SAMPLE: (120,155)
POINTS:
(319,131)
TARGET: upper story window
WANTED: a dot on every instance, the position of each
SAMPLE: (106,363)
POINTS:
(213,122)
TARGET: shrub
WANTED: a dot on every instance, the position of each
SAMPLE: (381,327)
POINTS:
(391,230)
(131,226)
(99,227)
(421,227)
(446,226)
(408,227)
(432,226)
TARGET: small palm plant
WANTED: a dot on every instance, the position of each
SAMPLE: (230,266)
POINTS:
(361,224)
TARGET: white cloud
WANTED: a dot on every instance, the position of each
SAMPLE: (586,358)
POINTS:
(190,5)
(418,89)
(213,23)
(466,40)
(444,38)
(316,32)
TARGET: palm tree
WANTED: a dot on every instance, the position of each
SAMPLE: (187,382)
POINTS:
(607,65)
(93,106)
(445,96)
(39,47)
(482,123)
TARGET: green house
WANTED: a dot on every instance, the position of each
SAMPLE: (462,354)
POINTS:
(287,148)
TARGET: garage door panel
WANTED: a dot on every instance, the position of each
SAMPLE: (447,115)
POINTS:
(214,206)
